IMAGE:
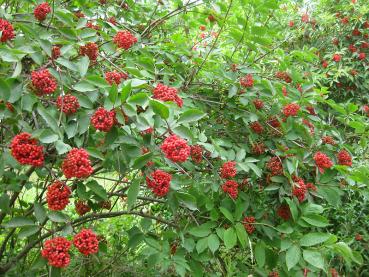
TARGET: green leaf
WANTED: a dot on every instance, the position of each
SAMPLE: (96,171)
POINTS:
(47,136)
(230,238)
(260,253)
(316,220)
(40,212)
(314,238)
(201,245)
(159,109)
(142,161)
(97,189)
(314,258)
(227,214)
(20,221)
(84,86)
(97,81)
(213,243)
(57,216)
(256,169)
(133,193)
(138,99)
(93,152)
(82,65)
(62,147)
(200,231)
(28,231)
(51,121)
(293,256)
(191,116)
(126,90)
(241,234)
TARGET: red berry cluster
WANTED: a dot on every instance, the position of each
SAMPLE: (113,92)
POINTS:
(228,170)
(103,120)
(165,93)
(291,109)
(91,50)
(247,81)
(328,140)
(274,122)
(358,237)
(112,20)
(56,251)
(41,11)
(283,76)
(344,158)
(43,82)
(300,190)
(311,110)
(68,104)
(147,131)
(124,39)
(77,164)
(6,30)
(92,26)
(336,58)
(79,14)
(57,196)
(114,77)
(55,52)
(196,154)
(176,149)
(333,272)
(231,187)
(322,161)
(273,274)
(26,151)
(258,148)
(284,212)
(309,124)
(259,104)
(159,182)
(257,127)
(275,166)
(81,207)
(86,242)
(247,223)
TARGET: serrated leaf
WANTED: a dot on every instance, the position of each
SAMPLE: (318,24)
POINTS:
(159,109)
(230,238)
(314,258)
(97,189)
(213,243)
(40,212)
(293,256)
(227,214)
(191,116)
(57,216)
(314,238)
(133,193)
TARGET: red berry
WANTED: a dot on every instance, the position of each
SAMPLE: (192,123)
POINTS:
(324,64)
(275,166)
(291,24)
(336,57)
(86,242)
(284,212)
(258,148)
(247,81)
(81,207)
(114,77)
(291,109)
(57,196)
(344,158)
(91,50)
(55,250)
(165,93)
(55,52)
(103,120)
(322,161)
(90,25)
(68,104)
(43,82)
(77,164)
(124,39)
(299,190)
(196,154)
(257,127)
(362,56)
(159,182)
(228,170)
(231,187)
(6,30)
(328,140)
(247,223)
(112,20)
(41,11)
(26,151)
(176,149)
(259,104)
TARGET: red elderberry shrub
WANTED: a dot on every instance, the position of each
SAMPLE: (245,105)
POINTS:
(26,151)
(284,212)
(344,158)
(258,148)
(358,237)
(311,110)
(55,52)
(43,82)
(324,64)
(275,166)
(103,120)
(228,170)
(247,223)
(148,131)
(77,164)
(79,14)
(274,122)
(305,18)
(356,32)
(165,93)
(328,140)
(112,20)
(257,127)
(124,39)
(291,24)
(291,109)
(144,151)
(10,107)
(159,182)
(300,191)
(364,45)
(336,57)
(247,81)
(259,104)
(90,25)
(41,11)
(196,154)
(81,207)
(175,149)
(86,242)
(202,28)
(273,274)
(352,48)
(345,20)
(55,250)
(322,161)
(231,187)
(68,104)
(114,77)
(311,186)
(57,196)
(283,76)
(6,30)
(284,91)
(91,50)
(211,18)
(362,56)
(333,272)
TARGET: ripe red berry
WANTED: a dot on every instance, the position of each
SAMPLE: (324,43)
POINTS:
(6,30)
(228,170)
(305,18)
(41,11)
(257,127)
(112,20)
(291,109)
(91,50)
(247,223)
(328,140)
(55,52)
(114,77)
(103,120)
(43,82)
(291,24)
(362,56)
(259,104)
(55,250)
(165,93)
(231,188)
(336,57)
(273,274)
(86,242)
(344,158)
(202,28)
(358,237)
(322,161)
(159,182)
(247,81)
(196,154)
(124,39)
(352,48)
(57,196)
(175,149)
(90,25)
(356,32)
(79,14)
(299,190)
(283,76)
(26,150)
(258,148)
(77,164)
(284,212)
(324,64)
(275,166)
(81,207)
(68,104)
(345,20)
(211,18)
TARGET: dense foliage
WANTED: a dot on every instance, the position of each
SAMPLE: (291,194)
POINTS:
(184,138)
